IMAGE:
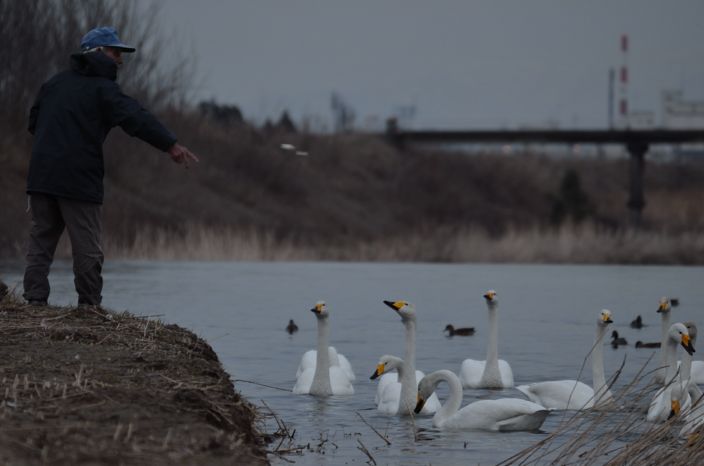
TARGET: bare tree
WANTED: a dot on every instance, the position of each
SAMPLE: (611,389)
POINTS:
(39,35)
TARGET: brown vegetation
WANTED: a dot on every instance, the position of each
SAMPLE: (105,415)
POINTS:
(353,198)
(618,435)
(87,386)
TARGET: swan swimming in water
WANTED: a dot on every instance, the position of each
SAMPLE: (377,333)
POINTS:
(493,372)
(408,377)
(389,389)
(572,394)
(323,378)
(661,406)
(503,415)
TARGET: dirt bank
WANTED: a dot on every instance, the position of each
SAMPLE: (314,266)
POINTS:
(96,387)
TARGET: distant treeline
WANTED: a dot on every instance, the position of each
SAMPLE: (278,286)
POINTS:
(353,197)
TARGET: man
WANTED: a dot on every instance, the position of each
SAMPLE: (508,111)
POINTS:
(70,120)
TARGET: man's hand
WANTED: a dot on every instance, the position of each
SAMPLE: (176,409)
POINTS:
(181,154)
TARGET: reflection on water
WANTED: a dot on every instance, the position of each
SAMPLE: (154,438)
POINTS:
(546,327)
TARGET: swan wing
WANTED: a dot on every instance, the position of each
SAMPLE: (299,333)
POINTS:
(471,372)
(384,381)
(507,414)
(506,373)
(389,398)
(346,366)
(339,382)
(303,381)
(307,361)
(559,394)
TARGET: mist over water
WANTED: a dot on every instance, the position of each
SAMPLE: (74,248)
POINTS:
(547,318)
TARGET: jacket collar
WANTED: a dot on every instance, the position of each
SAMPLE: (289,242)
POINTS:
(94,64)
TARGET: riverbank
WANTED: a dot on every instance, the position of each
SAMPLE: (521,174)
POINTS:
(89,386)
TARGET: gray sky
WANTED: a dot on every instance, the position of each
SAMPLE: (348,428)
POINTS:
(471,63)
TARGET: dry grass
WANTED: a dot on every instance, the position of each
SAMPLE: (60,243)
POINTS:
(87,386)
(619,435)
(584,244)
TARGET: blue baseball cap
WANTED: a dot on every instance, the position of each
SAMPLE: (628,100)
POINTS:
(104,37)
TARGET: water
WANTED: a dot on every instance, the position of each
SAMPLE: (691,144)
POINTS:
(547,318)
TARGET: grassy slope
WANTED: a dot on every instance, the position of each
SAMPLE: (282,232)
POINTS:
(353,197)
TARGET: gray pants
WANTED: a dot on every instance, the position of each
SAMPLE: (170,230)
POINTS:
(50,215)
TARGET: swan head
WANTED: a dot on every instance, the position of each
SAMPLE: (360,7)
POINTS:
(386,363)
(605,319)
(678,333)
(490,297)
(403,308)
(320,310)
(664,305)
(425,389)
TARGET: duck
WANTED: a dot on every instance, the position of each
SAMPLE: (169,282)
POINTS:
(291,328)
(617,341)
(664,308)
(462,331)
(389,389)
(322,378)
(640,344)
(573,394)
(407,376)
(502,415)
(637,322)
(492,372)
(660,407)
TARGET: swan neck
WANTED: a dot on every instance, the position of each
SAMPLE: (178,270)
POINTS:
(598,377)
(321,378)
(454,400)
(665,328)
(407,376)
(492,347)
(670,360)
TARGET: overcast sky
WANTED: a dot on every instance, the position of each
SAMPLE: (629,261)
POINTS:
(459,63)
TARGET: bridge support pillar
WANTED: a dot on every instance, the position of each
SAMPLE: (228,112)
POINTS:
(636,198)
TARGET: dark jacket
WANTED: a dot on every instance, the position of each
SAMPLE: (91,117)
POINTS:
(70,120)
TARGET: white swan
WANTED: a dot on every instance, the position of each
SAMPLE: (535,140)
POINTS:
(664,308)
(661,406)
(572,394)
(493,372)
(693,420)
(409,384)
(336,359)
(505,414)
(686,367)
(323,379)
(389,391)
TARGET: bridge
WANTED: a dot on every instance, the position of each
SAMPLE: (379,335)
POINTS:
(637,143)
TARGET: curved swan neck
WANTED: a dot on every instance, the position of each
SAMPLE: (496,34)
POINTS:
(321,378)
(410,354)
(670,360)
(492,347)
(454,400)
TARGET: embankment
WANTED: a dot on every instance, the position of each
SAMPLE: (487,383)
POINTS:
(89,386)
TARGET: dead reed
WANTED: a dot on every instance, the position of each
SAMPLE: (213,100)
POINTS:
(89,386)
(617,435)
(585,244)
